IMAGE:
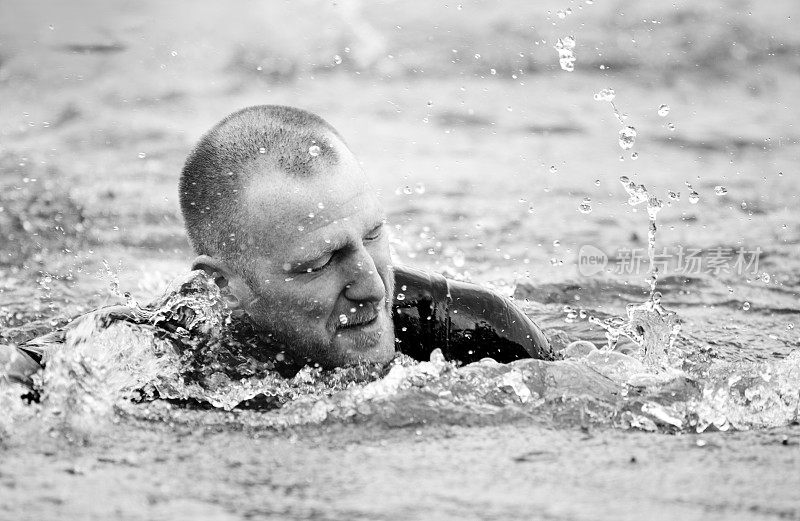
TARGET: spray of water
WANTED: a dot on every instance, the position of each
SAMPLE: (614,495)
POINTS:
(566,52)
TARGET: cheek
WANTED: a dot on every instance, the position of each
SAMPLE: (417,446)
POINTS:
(317,298)
(316,305)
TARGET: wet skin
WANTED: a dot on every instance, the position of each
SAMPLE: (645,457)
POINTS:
(318,276)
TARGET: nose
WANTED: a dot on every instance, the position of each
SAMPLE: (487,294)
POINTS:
(365,283)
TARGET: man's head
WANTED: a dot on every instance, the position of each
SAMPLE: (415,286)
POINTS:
(279,212)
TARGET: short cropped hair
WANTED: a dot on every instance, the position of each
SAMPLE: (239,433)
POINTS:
(277,139)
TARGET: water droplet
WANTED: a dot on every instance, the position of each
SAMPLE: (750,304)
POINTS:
(566,56)
(746,306)
(635,156)
(694,197)
(337,59)
(597,182)
(663,110)
(430,103)
(314,150)
(553,169)
(627,137)
(766,278)
(585,206)
(720,190)
(419,188)
(343,319)
(637,193)
(561,14)
(262,150)
(671,126)
(492,71)
(142,155)
(556,243)
(400,297)
(408,190)
(605,95)
(675,196)
(477,56)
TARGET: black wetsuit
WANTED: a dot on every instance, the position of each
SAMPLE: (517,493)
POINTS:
(466,321)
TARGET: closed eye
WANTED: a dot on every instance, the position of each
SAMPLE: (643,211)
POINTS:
(374,234)
(319,264)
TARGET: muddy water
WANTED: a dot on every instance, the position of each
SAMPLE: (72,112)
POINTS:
(475,448)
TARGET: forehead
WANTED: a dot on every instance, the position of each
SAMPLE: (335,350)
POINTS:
(287,214)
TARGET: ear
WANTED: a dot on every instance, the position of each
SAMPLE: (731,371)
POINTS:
(233,287)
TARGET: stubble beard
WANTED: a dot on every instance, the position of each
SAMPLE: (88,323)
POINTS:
(303,345)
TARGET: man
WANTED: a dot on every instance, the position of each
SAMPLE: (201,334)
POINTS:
(283,220)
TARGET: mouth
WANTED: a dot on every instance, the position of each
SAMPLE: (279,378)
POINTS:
(356,323)
(362,332)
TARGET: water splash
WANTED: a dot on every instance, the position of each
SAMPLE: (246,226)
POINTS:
(637,195)
(652,327)
(694,197)
(627,134)
(606,94)
(566,56)
(97,369)
(627,137)
(654,205)
(177,348)
(112,278)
